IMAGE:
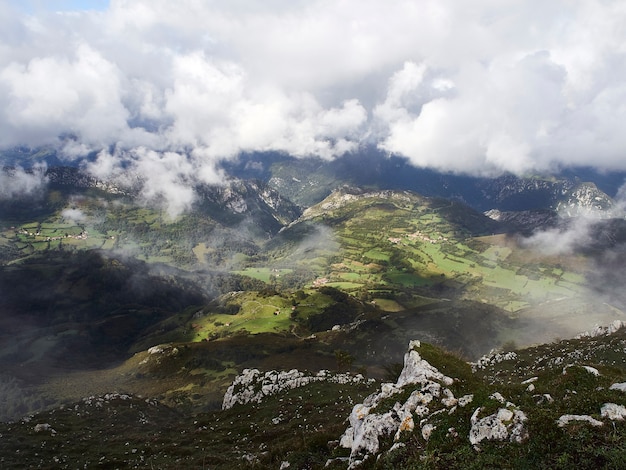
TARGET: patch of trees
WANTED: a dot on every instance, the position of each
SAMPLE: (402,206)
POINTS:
(343,310)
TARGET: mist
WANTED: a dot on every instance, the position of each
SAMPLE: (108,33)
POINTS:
(19,183)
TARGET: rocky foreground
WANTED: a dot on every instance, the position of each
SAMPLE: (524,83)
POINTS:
(552,406)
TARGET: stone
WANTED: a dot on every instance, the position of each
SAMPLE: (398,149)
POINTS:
(566,419)
(366,429)
(592,370)
(371,429)
(466,400)
(618,386)
(504,414)
(529,381)
(43,427)
(490,428)
(504,425)
(613,411)
(497,396)
(448,401)
(416,370)
(251,386)
(427,430)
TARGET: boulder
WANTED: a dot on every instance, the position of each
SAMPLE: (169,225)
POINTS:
(504,425)
(619,386)
(566,419)
(613,411)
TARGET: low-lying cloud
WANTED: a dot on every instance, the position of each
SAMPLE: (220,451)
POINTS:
(174,88)
(18,183)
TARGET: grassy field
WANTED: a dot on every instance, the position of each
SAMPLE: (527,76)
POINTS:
(407,246)
(415,246)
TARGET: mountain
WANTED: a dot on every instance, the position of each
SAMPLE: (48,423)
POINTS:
(308,181)
(308,265)
(552,406)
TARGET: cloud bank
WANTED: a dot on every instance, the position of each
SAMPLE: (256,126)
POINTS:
(171,88)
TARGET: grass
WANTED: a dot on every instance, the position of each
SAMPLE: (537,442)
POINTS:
(302,426)
(263,274)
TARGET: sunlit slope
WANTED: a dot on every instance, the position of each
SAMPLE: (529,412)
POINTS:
(224,223)
(392,246)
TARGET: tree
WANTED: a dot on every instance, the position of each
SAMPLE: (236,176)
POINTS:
(344,359)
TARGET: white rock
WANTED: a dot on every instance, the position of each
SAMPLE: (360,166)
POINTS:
(529,381)
(406,424)
(347,438)
(367,435)
(566,419)
(43,427)
(466,400)
(416,370)
(518,432)
(427,430)
(613,411)
(497,396)
(592,370)
(490,428)
(417,398)
(504,414)
(448,401)
(503,425)
(619,386)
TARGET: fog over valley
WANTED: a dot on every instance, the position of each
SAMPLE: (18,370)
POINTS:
(312,234)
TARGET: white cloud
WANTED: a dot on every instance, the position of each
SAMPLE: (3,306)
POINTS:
(17,182)
(563,240)
(481,87)
(73,214)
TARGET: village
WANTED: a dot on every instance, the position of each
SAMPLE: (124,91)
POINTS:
(83,235)
(419,236)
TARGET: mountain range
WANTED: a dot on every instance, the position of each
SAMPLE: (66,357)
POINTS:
(308,265)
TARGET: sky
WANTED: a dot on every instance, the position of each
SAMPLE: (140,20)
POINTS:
(32,6)
(170,89)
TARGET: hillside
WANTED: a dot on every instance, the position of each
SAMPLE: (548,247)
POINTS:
(551,406)
(355,276)
(307,182)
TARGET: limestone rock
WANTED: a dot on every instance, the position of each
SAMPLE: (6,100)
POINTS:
(619,386)
(603,330)
(366,429)
(566,419)
(44,427)
(427,430)
(417,370)
(613,411)
(251,386)
(466,400)
(505,425)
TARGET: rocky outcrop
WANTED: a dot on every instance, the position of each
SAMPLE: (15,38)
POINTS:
(506,424)
(585,199)
(618,386)
(613,411)
(493,358)
(564,420)
(371,422)
(603,330)
(252,385)
(525,221)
